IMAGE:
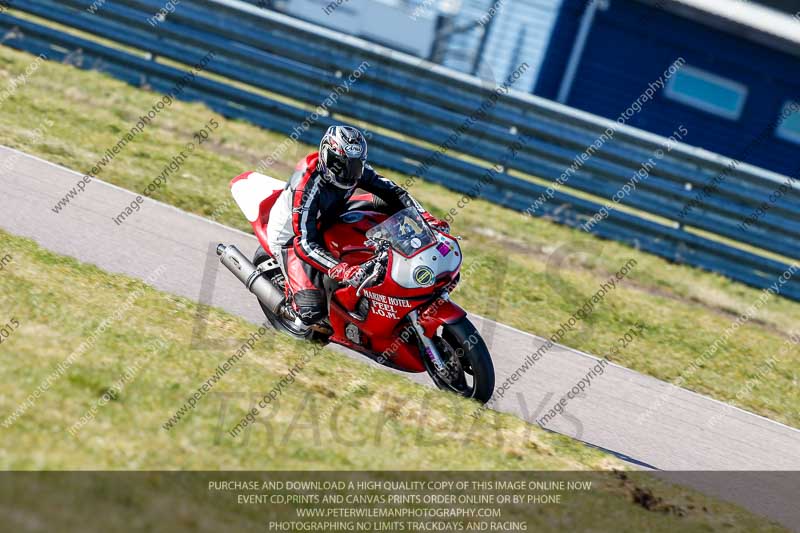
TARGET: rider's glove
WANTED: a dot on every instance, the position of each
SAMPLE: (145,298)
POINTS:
(436,223)
(349,274)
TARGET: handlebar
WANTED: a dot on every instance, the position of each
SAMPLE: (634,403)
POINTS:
(368,281)
(377,264)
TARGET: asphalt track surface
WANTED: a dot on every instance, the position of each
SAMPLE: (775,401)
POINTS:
(675,435)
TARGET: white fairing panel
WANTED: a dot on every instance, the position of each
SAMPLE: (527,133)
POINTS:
(252,190)
(403,268)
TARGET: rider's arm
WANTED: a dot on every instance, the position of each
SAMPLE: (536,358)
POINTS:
(308,244)
(387,190)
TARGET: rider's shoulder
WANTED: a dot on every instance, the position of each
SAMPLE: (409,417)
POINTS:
(305,172)
(308,162)
(369,172)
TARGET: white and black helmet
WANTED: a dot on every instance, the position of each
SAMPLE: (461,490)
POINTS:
(342,155)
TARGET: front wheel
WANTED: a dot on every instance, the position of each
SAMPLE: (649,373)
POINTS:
(470,372)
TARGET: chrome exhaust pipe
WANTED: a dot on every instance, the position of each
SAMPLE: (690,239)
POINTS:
(251,277)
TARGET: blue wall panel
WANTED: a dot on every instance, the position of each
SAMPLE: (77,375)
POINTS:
(630,45)
(559,48)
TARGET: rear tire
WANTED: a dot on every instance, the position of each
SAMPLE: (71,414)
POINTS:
(462,340)
(280,323)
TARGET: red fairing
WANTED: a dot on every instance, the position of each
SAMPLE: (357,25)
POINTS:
(347,240)
(366,197)
(260,224)
(387,336)
(386,343)
(310,161)
(240,177)
(438,313)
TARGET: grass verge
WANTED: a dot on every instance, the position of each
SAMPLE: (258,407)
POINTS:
(388,423)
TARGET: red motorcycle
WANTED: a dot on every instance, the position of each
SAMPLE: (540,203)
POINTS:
(400,316)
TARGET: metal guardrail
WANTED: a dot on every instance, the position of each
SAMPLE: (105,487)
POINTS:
(431,106)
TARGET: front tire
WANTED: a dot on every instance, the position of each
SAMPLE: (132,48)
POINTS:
(465,353)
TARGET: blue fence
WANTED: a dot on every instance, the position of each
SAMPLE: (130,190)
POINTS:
(428,105)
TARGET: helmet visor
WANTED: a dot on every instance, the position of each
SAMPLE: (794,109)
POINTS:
(346,171)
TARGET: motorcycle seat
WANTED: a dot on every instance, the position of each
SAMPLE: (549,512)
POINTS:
(256,194)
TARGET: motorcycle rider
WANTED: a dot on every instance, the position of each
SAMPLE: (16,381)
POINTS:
(318,192)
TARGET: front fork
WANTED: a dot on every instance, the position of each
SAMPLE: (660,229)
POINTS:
(427,343)
(440,312)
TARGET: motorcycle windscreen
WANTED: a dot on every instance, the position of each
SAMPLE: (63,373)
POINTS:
(406,231)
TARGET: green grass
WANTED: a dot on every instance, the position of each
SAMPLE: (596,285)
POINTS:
(542,271)
(59,302)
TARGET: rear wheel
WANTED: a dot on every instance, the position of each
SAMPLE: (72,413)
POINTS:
(470,372)
(282,322)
